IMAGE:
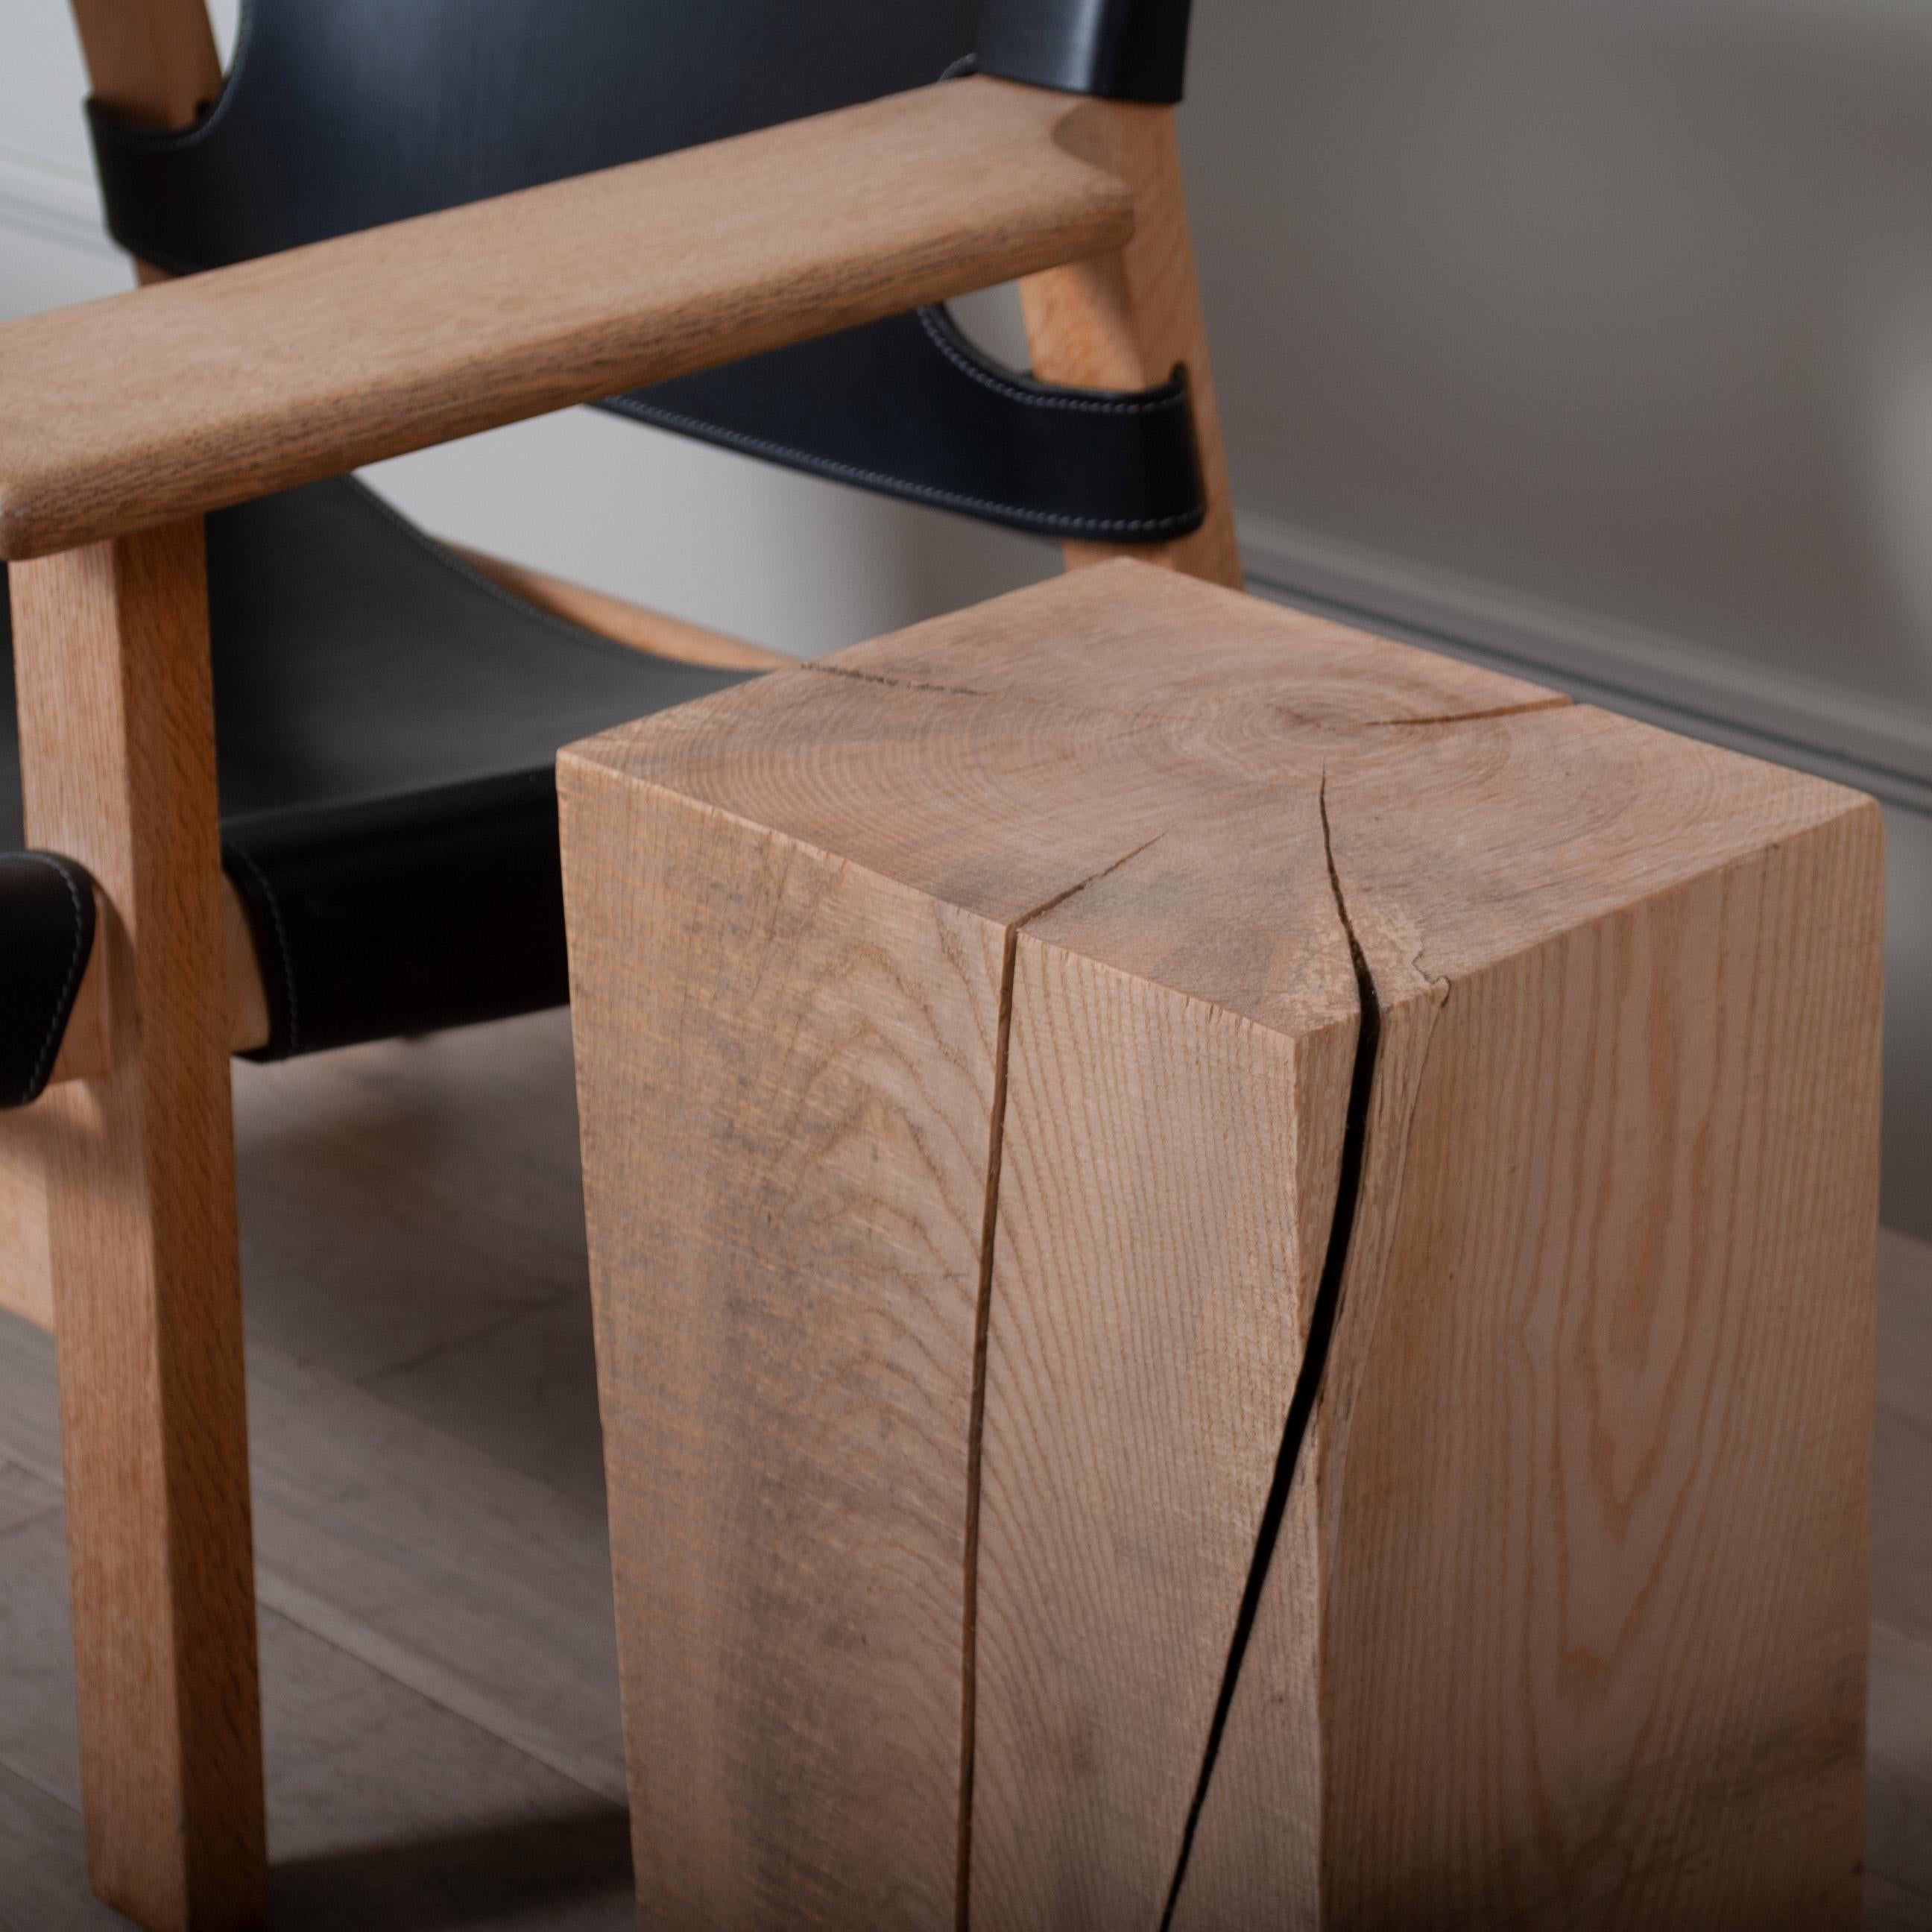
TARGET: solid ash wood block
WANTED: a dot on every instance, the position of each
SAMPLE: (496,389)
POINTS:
(1234,1275)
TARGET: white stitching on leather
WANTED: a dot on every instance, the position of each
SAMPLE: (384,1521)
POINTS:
(755,445)
(1014,393)
(64,1007)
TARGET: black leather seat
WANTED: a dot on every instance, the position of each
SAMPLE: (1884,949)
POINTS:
(387,719)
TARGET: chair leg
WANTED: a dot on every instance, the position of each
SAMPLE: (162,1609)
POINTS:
(155,61)
(26,1289)
(118,760)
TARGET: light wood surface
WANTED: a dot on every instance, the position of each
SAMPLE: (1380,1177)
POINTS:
(173,400)
(1169,1175)
(26,1275)
(1522,1058)
(155,61)
(794,1742)
(1128,320)
(963,762)
(152,62)
(631,624)
(1553,1589)
(117,743)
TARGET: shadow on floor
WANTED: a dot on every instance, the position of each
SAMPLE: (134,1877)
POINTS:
(487,1873)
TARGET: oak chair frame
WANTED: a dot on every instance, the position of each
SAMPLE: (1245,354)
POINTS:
(122,424)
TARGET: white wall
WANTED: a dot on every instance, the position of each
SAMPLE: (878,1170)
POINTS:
(1594,340)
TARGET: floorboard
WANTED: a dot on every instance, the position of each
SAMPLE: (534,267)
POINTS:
(516,1393)
(439,1671)
(44,1865)
(23,1496)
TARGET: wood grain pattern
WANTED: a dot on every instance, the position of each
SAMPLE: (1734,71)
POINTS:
(1129,320)
(171,400)
(631,624)
(1589,1605)
(117,770)
(1557,1610)
(152,62)
(404,1169)
(1168,1178)
(967,777)
(791,1499)
(26,1274)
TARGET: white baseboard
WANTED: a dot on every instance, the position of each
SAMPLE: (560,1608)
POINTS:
(1859,740)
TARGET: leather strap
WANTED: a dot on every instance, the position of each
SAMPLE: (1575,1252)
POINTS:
(47,933)
(403,915)
(923,415)
(1120,50)
(339,116)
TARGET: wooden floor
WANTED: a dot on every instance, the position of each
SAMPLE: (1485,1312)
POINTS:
(438,1667)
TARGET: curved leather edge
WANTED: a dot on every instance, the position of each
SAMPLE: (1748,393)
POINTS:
(907,407)
(1117,49)
(1119,467)
(46,911)
(132,186)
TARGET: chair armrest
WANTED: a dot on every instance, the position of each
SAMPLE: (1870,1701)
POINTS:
(172,400)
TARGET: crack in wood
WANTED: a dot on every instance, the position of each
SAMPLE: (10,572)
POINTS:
(1550,701)
(1308,1381)
(982,1328)
(824,670)
(1555,701)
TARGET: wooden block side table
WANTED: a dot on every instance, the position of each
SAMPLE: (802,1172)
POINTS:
(1234,1272)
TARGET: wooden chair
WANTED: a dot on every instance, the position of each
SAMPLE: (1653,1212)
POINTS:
(288,784)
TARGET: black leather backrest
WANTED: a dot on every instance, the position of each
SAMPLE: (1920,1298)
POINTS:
(1123,49)
(342,114)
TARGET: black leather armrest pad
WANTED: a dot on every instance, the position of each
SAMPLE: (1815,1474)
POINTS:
(47,933)
(1117,49)
(404,915)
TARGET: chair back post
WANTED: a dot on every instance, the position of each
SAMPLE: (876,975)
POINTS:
(154,61)
(1129,320)
(1126,321)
